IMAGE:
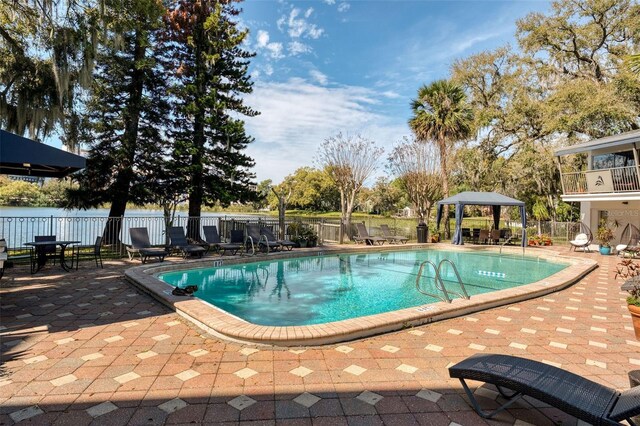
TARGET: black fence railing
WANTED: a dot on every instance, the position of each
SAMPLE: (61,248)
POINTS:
(19,230)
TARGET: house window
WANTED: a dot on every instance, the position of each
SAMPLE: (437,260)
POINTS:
(613,160)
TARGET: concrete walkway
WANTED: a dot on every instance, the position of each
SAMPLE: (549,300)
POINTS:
(85,347)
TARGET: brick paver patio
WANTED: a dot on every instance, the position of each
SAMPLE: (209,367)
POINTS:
(86,347)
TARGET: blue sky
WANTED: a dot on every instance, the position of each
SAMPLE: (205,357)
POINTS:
(326,66)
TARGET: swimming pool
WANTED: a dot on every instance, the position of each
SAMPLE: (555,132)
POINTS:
(323,289)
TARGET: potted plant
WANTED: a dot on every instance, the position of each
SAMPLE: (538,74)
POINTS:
(302,234)
(604,235)
(627,268)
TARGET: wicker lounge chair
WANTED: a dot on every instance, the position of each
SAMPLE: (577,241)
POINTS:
(583,239)
(180,243)
(141,246)
(213,239)
(629,246)
(268,234)
(573,394)
(392,239)
(364,237)
(257,241)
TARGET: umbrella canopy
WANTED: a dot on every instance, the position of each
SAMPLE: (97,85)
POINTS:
(22,156)
(493,199)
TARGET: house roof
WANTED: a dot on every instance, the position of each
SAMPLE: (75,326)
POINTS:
(606,142)
(22,156)
(481,198)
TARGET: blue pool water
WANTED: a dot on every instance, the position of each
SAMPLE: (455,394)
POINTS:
(321,289)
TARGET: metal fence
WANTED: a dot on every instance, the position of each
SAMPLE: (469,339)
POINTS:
(19,230)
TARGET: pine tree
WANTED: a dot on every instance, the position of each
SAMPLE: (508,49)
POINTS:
(125,113)
(210,79)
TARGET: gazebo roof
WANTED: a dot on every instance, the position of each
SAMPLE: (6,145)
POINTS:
(481,198)
(22,156)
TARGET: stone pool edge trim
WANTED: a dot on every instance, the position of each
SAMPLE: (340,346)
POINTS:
(220,323)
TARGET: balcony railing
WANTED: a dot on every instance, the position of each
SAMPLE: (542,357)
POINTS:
(623,179)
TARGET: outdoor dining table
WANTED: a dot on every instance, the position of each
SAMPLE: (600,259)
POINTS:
(41,254)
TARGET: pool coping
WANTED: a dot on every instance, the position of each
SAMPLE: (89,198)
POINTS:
(223,324)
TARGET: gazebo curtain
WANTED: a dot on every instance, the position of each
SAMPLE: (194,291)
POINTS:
(496,208)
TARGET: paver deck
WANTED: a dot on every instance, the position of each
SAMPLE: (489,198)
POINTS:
(87,347)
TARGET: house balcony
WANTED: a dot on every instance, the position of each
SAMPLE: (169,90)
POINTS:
(617,182)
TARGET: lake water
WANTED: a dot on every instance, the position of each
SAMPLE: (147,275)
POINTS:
(21,224)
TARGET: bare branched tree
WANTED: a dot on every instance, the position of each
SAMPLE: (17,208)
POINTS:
(416,164)
(350,161)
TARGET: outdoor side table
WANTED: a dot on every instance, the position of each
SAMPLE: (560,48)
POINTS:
(41,255)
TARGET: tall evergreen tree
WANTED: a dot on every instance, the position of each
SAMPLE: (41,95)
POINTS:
(126,113)
(210,79)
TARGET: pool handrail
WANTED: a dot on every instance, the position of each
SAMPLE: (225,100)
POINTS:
(439,282)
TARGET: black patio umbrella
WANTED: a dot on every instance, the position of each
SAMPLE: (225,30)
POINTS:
(22,156)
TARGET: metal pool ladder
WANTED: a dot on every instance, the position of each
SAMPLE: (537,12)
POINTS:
(440,282)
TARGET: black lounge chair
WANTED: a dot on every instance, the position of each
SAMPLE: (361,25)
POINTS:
(212,237)
(392,239)
(573,394)
(583,239)
(363,236)
(141,246)
(268,234)
(180,243)
(256,240)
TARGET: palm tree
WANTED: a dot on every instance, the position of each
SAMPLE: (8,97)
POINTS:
(441,115)
(633,62)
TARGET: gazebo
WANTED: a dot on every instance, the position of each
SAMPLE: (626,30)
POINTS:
(493,199)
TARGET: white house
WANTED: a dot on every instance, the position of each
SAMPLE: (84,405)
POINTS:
(609,188)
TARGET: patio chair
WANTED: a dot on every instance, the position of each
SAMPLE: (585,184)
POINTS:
(268,233)
(392,239)
(495,236)
(483,236)
(3,255)
(363,236)
(88,251)
(586,400)
(256,240)
(141,246)
(583,239)
(212,238)
(629,245)
(179,242)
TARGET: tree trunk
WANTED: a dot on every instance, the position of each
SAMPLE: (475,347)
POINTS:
(120,189)
(343,214)
(196,188)
(442,145)
(282,208)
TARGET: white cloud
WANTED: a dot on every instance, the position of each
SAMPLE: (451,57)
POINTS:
(343,7)
(391,94)
(296,116)
(275,49)
(298,26)
(296,48)
(330,1)
(308,12)
(262,39)
(268,69)
(319,77)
